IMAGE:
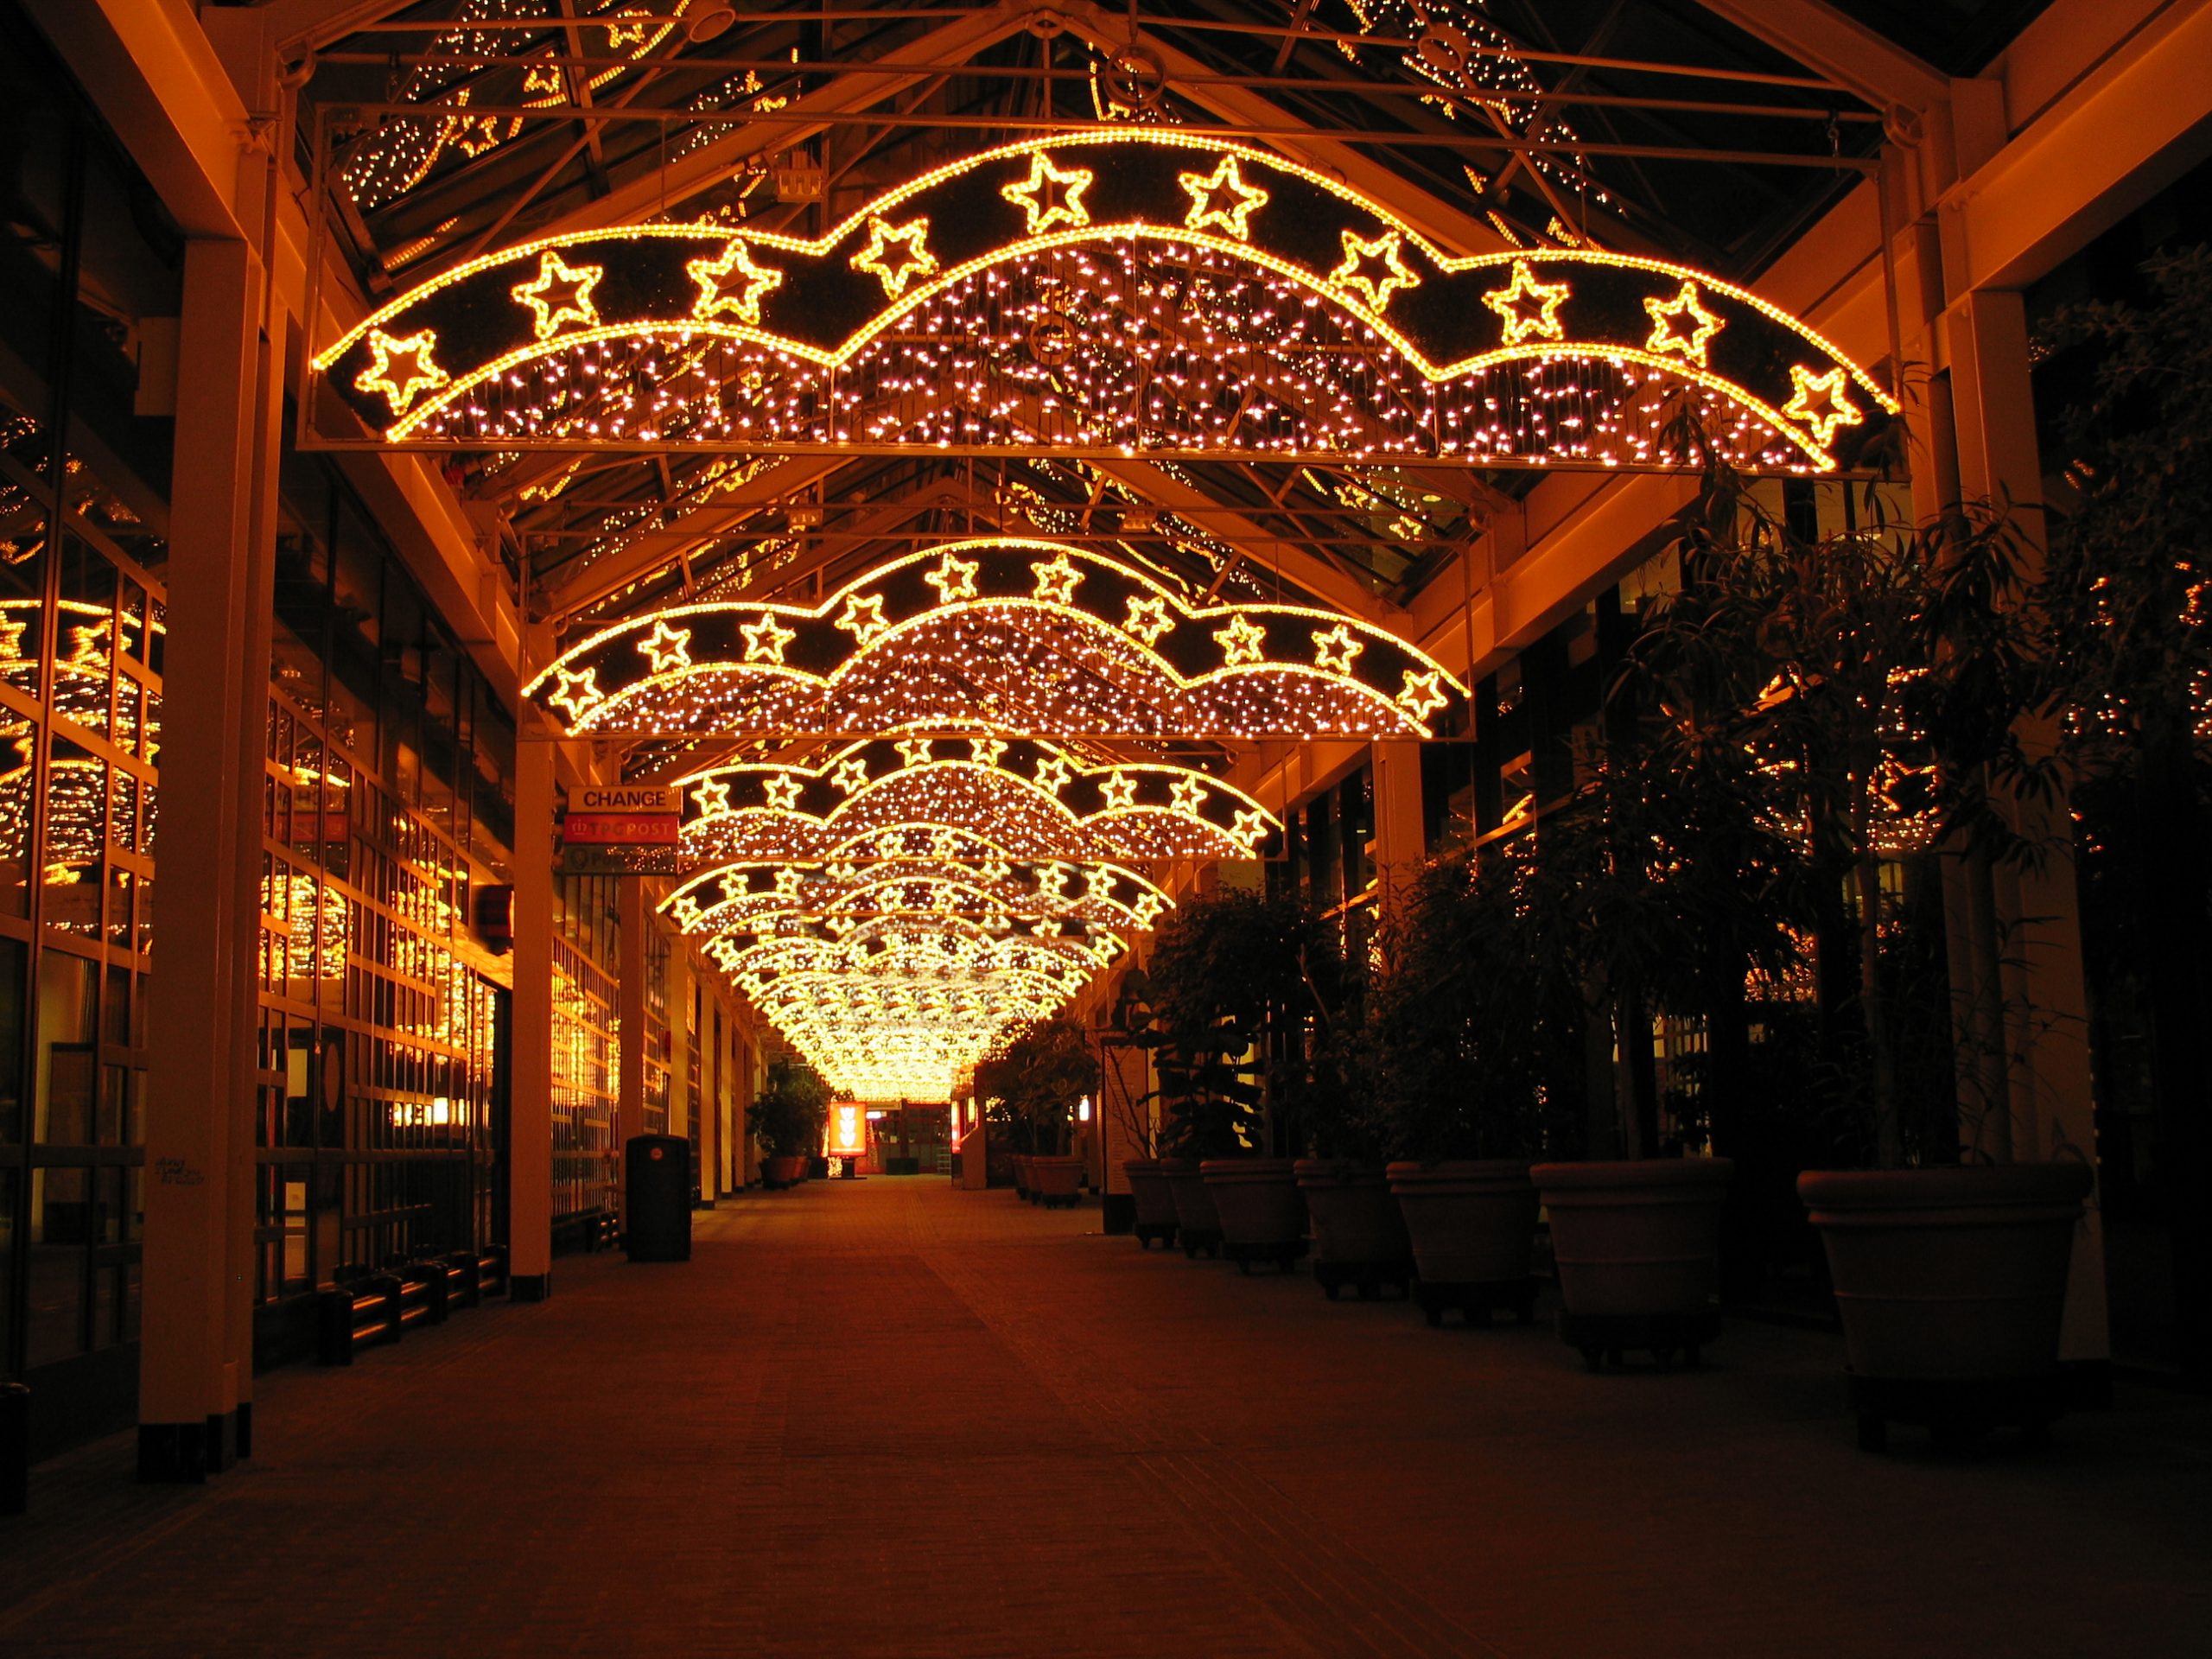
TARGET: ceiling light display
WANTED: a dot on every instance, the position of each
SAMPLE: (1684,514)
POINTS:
(973,800)
(1003,635)
(1116,290)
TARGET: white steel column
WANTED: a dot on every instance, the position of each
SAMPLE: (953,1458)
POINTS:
(2046,1036)
(199,1192)
(629,1010)
(530,1071)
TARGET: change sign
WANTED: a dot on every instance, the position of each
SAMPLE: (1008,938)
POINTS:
(621,829)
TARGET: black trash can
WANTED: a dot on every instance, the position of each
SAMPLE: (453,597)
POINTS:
(658,1184)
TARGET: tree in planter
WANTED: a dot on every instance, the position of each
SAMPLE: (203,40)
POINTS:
(1036,1076)
(788,1116)
(1236,983)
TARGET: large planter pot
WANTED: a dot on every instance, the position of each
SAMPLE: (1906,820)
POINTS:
(1056,1183)
(1359,1232)
(1197,1224)
(1263,1217)
(1155,1202)
(783,1170)
(1473,1226)
(1951,1284)
(1636,1244)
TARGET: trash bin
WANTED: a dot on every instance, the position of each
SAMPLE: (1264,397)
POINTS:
(657,1188)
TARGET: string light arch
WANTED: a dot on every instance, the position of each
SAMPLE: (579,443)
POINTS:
(1533,357)
(1004,636)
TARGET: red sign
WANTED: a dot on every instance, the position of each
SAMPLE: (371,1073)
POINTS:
(626,829)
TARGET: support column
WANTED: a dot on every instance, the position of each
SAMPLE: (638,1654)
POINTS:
(630,1010)
(2046,1027)
(679,1040)
(530,1112)
(199,1189)
(1400,831)
(711,1082)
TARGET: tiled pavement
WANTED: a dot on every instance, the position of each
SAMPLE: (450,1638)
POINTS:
(892,1418)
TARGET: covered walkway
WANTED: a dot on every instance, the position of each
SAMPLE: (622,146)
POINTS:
(892,1417)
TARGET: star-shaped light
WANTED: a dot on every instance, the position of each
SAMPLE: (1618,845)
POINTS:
(945,844)
(844,873)
(789,880)
(667,649)
(1052,774)
(1423,694)
(1250,828)
(864,618)
(1336,650)
(1189,795)
(1049,197)
(850,774)
(1054,879)
(575,690)
(559,294)
(765,640)
(954,579)
(1048,927)
(914,751)
(1207,192)
(781,792)
(1119,790)
(1147,909)
(686,911)
(986,751)
(1148,619)
(712,797)
(1682,326)
(1242,642)
(915,258)
(1528,308)
(1821,401)
(401,368)
(1376,270)
(1056,580)
(733,283)
(995,870)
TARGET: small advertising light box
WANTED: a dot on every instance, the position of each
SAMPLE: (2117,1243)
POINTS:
(621,829)
(848,1136)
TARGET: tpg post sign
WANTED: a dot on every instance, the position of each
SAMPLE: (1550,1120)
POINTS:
(621,829)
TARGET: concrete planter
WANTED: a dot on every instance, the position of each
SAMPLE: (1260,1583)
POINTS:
(1197,1224)
(783,1170)
(1155,1201)
(1951,1284)
(1056,1182)
(1359,1232)
(1473,1226)
(1635,1246)
(1263,1217)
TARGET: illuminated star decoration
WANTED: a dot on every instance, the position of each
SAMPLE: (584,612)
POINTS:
(741,298)
(864,618)
(1336,649)
(1148,619)
(1242,642)
(1036,195)
(1052,774)
(559,294)
(1119,791)
(914,751)
(403,368)
(576,692)
(911,239)
(765,640)
(954,579)
(1423,694)
(850,775)
(1251,829)
(1189,795)
(667,648)
(1822,402)
(986,751)
(1682,326)
(782,793)
(1206,191)
(1374,270)
(711,797)
(1056,580)
(1528,306)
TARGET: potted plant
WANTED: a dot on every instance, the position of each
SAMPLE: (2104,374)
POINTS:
(1034,1079)
(1236,979)
(787,1119)
(1359,1232)
(1476,1017)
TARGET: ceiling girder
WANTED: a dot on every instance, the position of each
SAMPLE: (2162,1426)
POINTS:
(1841,48)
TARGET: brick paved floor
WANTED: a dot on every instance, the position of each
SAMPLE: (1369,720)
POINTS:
(896,1418)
